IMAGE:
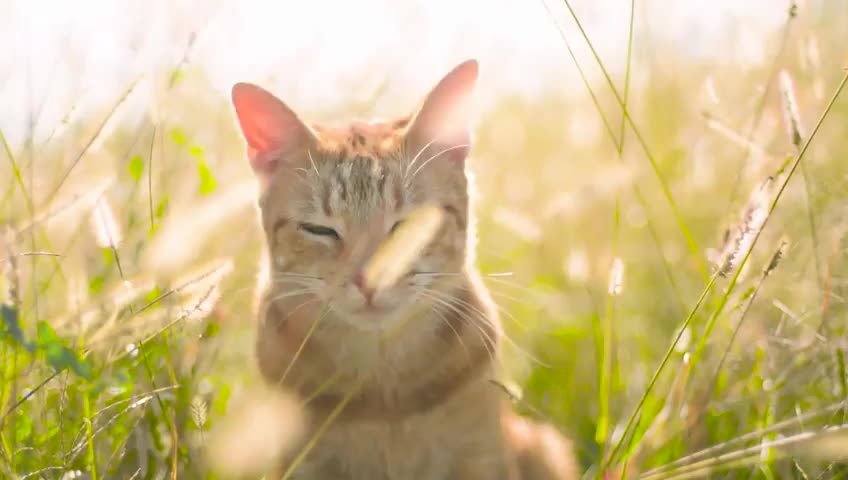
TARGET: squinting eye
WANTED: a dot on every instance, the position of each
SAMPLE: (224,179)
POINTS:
(395,226)
(319,230)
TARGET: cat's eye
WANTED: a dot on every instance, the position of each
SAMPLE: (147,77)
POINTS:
(395,226)
(319,230)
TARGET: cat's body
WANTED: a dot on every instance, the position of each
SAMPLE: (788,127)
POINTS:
(430,409)
(403,373)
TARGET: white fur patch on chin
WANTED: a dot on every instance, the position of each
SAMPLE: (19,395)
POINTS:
(398,307)
(374,321)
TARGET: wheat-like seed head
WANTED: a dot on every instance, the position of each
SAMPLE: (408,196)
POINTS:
(198,411)
(616,278)
(778,255)
(255,434)
(107,233)
(738,241)
(791,115)
(394,256)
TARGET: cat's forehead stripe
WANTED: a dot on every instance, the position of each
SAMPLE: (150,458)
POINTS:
(359,169)
(360,184)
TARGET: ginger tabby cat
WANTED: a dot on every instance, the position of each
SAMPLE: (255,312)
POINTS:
(422,404)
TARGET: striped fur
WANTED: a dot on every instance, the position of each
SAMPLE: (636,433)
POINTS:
(416,361)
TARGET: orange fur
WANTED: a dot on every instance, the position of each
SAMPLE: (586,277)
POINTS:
(414,360)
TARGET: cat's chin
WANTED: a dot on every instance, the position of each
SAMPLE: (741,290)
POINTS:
(373,318)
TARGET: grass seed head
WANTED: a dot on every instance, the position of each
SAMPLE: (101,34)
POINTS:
(107,233)
(791,115)
(397,253)
(255,434)
(740,238)
(831,445)
(616,278)
(777,256)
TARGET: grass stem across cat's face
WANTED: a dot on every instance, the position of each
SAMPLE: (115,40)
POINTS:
(331,196)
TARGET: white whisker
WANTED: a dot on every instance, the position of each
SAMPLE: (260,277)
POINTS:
(301,174)
(314,167)
(455,147)
(488,341)
(444,319)
(417,155)
(293,293)
(295,275)
(482,316)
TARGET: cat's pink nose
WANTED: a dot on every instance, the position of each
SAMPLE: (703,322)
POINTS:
(367,291)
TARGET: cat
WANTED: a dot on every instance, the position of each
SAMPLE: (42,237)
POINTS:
(418,403)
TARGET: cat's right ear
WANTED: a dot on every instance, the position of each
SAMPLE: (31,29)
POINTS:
(272,130)
(443,123)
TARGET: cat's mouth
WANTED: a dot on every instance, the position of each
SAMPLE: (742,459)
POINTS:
(385,306)
(372,314)
(371,308)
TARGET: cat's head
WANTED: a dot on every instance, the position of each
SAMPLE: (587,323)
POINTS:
(329,196)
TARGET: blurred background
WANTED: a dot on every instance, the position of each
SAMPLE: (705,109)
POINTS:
(130,244)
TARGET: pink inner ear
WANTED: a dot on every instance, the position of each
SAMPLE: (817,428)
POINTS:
(444,119)
(455,148)
(268,125)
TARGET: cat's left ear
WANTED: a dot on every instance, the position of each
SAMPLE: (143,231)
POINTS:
(272,130)
(442,126)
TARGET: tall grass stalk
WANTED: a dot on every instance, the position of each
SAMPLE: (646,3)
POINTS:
(609,355)
(613,456)
(690,240)
(746,456)
(605,380)
(91,456)
(718,449)
(618,142)
(98,131)
(760,108)
(732,285)
(723,300)
(795,134)
(319,432)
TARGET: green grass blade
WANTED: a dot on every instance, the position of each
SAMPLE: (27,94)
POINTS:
(607,368)
(761,104)
(605,382)
(723,300)
(64,177)
(617,145)
(690,240)
(632,421)
(17,173)
(732,285)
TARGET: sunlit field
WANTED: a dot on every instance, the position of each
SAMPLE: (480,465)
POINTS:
(662,206)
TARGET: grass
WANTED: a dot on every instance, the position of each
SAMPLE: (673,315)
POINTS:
(125,336)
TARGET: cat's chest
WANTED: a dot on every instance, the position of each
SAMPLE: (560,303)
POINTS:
(383,452)
(425,447)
